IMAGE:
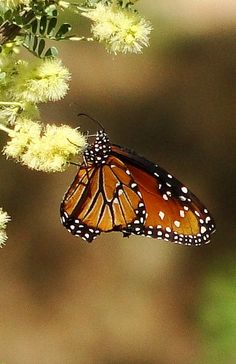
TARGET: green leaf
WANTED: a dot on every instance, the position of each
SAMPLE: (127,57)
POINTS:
(43,24)
(18,20)
(34,26)
(8,14)
(51,25)
(26,20)
(64,28)
(51,52)
(35,43)
(27,39)
(51,10)
(41,47)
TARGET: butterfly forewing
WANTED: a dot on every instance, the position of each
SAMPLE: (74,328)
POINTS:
(101,200)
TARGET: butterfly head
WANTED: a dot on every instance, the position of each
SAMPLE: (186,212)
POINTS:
(98,152)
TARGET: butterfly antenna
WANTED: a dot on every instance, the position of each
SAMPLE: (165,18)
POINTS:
(92,119)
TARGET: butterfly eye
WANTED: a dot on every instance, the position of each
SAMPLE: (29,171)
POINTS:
(117,190)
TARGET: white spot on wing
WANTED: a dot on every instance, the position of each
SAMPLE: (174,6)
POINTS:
(177,223)
(162,215)
(182,213)
(203,229)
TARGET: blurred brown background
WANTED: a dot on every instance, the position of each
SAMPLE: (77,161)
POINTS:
(125,301)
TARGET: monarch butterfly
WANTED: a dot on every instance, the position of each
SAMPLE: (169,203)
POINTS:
(115,189)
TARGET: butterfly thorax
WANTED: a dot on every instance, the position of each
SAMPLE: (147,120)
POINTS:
(98,152)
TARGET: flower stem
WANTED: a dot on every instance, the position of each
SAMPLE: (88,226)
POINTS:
(4,128)
(81,38)
(10,103)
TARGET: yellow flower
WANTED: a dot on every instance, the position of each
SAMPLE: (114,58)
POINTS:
(41,81)
(55,148)
(4,219)
(15,3)
(47,149)
(122,30)
(24,133)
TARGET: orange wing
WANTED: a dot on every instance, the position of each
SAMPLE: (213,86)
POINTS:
(101,198)
(117,190)
(173,213)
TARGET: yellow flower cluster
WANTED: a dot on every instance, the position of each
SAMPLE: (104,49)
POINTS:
(44,148)
(23,85)
(41,81)
(122,30)
(4,219)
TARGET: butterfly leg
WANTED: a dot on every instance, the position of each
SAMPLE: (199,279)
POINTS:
(126,234)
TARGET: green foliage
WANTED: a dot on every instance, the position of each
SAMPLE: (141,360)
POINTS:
(218,314)
(115,23)
(41,28)
(34,27)
(122,3)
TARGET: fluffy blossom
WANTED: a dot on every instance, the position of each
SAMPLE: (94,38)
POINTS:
(41,81)
(24,133)
(47,149)
(122,30)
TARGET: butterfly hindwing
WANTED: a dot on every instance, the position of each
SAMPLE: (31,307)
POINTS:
(174,213)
